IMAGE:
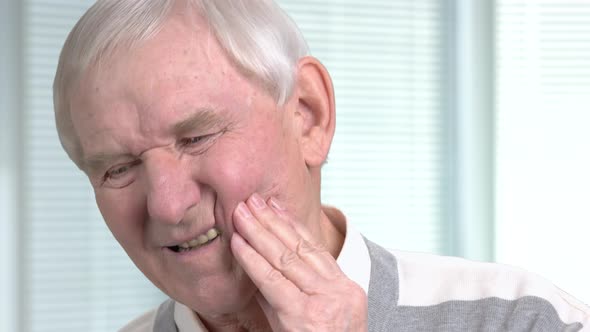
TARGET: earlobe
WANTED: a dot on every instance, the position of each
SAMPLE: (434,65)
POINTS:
(315,106)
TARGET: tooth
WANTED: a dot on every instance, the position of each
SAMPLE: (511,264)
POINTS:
(212,233)
(202,239)
(185,245)
(193,243)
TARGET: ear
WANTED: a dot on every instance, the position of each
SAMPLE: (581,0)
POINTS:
(316,109)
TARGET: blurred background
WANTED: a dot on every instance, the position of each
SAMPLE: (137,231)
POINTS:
(463,129)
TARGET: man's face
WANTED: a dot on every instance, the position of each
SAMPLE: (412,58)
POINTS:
(173,138)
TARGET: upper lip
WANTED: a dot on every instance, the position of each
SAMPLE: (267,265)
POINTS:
(187,238)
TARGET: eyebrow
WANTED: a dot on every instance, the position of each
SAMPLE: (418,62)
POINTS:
(201,120)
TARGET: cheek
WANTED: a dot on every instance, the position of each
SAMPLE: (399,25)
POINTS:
(122,215)
(238,170)
(236,177)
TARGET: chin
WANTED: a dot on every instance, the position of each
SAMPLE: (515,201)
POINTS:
(217,297)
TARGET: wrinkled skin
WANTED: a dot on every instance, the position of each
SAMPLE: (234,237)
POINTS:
(174,140)
(301,286)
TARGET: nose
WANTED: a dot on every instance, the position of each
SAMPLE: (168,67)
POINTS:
(171,190)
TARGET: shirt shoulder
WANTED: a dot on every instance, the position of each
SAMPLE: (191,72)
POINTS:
(430,280)
(143,323)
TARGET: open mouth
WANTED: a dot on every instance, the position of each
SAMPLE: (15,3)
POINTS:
(201,240)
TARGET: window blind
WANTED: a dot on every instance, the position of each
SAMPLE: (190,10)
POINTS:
(542,159)
(9,162)
(384,169)
(75,277)
(386,166)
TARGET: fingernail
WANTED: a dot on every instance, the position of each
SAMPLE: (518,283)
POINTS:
(275,204)
(243,211)
(257,201)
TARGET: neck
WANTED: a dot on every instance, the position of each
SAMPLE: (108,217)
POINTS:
(251,319)
(333,229)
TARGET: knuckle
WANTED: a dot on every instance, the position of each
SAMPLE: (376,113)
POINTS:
(272,276)
(358,293)
(355,293)
(287,259)
(305,248)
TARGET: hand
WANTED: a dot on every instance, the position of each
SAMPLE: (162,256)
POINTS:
(301,286)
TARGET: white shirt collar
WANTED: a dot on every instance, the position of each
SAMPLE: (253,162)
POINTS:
(353,260)
(187,320)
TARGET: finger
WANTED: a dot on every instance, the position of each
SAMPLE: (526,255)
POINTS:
(270,248)
(280,292)
(300,242)
(282,214)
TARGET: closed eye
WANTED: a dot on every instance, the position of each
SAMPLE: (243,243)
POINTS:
(118,171)
(121,175)
(198,144)
(193,140)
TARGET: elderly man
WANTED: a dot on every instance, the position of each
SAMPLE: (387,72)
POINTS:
(203,126)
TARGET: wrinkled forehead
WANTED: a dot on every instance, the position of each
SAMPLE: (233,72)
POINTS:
(180,37)
(180,53)
(146,89)
(91,44)
(179,33)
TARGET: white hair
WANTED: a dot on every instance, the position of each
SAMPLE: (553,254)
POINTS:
(257,35)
